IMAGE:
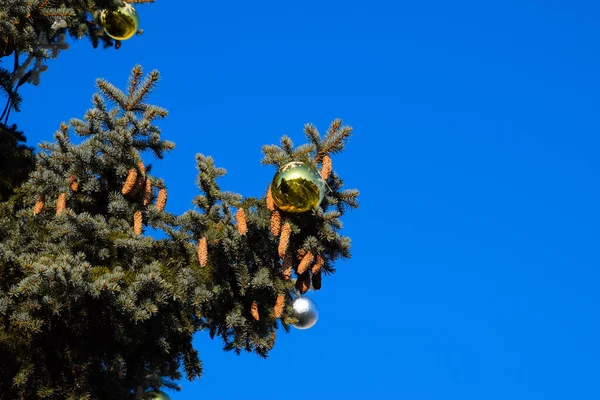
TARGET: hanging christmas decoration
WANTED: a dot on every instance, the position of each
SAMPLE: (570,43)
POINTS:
(121,23)
(305,311)
(297,187)
(156,395)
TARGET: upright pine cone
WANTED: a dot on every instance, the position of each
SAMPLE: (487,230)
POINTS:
(240,219)
(137,222)
(130,182)
(305,263)
(288,261)
(284,240)
(61,204)
(39,204)
(161,200)
(275,223)
(303,283)
(147,192)
(279,306)
(326,167)
(140,181)
(318,264)
(254,311)
(316,281)
(73,183)
(203,251)
(270,202)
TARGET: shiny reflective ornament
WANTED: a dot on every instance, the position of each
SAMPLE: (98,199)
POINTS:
(305,311)
(297,187)
(120,24)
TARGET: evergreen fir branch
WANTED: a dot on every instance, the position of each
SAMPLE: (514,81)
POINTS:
(288,146)
(136,74)
(274,155)
(143,90)
(303,152)
(312,134)
(336,138)
(113,93)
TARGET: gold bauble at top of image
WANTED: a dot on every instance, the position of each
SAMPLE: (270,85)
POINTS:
(155,396)
(121,23)
(297,187)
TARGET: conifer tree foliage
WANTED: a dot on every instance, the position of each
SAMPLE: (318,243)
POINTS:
(16,160)
(32,31)
(91,306)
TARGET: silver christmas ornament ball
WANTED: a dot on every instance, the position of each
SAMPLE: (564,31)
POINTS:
(305,311)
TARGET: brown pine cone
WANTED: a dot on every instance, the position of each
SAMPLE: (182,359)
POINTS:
(279,306)
(39,204)
(137,222)
(326,167)
(61,204)
(161,200)
(270,202)
(318,264)
(203,252)
(275,223)
(316,281)
(305,263)
(284,240)
(130,182)
(147,192)
(254,311)
(73,183)
(240,219)
(303,283)
(287,265)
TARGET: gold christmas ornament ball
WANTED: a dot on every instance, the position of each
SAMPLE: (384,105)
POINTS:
(305,311)
(297,187)
(156,396)
(120,24)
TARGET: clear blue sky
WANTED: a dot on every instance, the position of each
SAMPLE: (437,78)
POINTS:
(475,268)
